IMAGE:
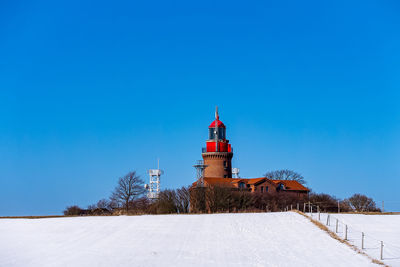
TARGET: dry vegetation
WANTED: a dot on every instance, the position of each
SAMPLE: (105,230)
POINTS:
(335,236)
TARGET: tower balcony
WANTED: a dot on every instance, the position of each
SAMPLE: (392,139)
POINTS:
(204,150)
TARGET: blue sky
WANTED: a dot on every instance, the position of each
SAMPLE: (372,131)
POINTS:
(91,90)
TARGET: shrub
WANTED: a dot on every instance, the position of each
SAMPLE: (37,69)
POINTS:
(73,211)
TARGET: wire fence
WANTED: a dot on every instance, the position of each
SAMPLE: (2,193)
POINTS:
(371,245)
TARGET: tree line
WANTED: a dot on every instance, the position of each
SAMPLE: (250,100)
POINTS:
(129,197)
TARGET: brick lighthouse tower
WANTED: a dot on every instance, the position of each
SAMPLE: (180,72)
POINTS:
(217,155)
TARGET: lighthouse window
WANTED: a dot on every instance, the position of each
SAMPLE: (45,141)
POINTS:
(221,133)
(212,132)
(225,164)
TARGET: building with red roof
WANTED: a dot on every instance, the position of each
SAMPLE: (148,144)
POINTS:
(216,168)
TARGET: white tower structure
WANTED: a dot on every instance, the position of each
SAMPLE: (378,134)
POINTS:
(153,187)
(235,172)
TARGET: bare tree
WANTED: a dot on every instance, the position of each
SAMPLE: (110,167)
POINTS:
(183,199)
(103,204)
(140,205)
(166,202)
(218,198)
(197,199)
(285,175)
(92,207)
(360,202)
(328,203)
(129,188)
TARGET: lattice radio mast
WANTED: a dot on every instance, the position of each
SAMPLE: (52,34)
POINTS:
(153,188)
(200,172)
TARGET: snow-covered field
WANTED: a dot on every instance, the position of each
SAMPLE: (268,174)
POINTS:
(376,228)
(263,239)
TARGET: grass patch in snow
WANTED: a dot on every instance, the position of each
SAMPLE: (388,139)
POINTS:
(335,236)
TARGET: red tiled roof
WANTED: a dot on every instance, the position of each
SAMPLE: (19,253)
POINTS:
(229,182)
(255,180)
(291,185)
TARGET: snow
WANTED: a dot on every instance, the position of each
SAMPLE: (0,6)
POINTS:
(249,239)
(376,228)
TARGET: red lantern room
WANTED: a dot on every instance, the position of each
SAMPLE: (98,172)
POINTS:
(217,155)
(217,135)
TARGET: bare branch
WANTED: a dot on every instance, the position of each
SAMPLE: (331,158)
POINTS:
(285,175)
(129,187)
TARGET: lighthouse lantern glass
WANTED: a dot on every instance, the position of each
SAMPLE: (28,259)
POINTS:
(221,133)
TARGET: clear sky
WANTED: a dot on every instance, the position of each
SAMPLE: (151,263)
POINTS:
(90,90)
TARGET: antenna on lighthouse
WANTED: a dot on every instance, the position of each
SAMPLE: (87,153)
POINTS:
(153,188)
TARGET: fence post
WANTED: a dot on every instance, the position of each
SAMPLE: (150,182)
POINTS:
(298,206)
(336,225)
(304,208)
(291,208)
(309,206)
(319,213)
(381,250)
(327,220)
(345,233)
(338,206)
(311,210)
(362,240)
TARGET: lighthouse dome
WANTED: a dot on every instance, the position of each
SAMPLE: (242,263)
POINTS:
(217,129)
(217,123)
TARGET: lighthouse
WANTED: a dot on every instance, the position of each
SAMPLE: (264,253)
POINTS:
(217,154)
(215,171)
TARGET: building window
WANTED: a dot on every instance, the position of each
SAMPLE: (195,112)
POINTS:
(262,189)
(225,176)
(241,185)
(266,189)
